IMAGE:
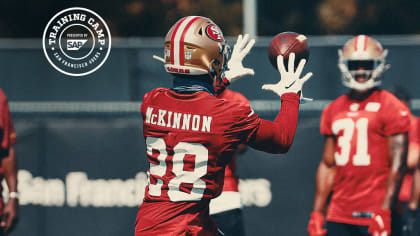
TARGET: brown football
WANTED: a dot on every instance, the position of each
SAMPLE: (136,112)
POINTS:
(286,43)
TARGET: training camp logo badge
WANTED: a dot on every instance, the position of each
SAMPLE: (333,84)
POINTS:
(76,41)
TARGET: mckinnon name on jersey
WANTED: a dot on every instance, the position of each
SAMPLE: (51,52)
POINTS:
(177,120)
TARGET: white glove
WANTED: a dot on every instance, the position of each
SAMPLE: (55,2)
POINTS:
(289,80)
(235,69)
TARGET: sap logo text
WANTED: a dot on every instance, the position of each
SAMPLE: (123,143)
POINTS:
(75,44)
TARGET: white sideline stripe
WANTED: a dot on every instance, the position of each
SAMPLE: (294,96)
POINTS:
(130,107)
(74,107)
(133,107)
(274,105)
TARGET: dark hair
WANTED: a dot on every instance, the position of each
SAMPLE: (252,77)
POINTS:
(400,93)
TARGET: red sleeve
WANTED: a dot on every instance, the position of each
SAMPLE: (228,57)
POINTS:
(244,125)
(277,136)
(397,116)
(325,125)
(8,135)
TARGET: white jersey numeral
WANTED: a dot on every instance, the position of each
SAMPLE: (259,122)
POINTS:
(182,176)
(193,177)
(159,145)
(362,158)
(347,125)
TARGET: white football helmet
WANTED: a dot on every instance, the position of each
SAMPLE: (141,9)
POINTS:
(362,56)
(195,46)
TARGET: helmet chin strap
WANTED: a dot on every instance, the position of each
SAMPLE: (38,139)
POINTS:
(352,83)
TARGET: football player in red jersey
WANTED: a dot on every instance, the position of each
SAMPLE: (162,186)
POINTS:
(404,224)
(407,223)
(191,135)
(8,168)
(226,208)
(365,148)
(411,217)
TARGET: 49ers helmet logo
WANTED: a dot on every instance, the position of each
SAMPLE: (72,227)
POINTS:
(214,32)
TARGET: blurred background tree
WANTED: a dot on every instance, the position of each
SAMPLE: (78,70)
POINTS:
(148,18)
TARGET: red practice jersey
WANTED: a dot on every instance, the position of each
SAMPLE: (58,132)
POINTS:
(414,142)
(189,139)
(7,135)
(361,129)
(7,132)
(231,180)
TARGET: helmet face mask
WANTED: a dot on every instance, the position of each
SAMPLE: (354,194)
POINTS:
(226,51)
(362,68)
(195,46)
(362,57)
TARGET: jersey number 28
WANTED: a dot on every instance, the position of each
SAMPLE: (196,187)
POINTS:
(181,176)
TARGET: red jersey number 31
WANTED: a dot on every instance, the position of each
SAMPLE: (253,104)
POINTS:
(349,128)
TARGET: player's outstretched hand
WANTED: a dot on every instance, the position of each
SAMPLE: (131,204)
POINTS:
(289,79)
(235,69)
(316,223)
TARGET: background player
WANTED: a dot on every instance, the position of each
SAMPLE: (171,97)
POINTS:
(226,208)
(8,168)
(191,135)
(365,147)
(404,224)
